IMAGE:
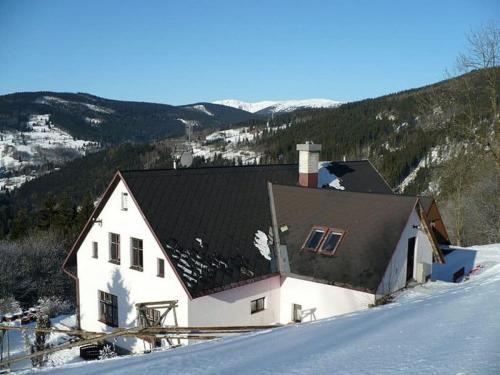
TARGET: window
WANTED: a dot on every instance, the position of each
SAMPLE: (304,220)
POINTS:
(108,309)
(114,248)
(124,201)
(149,317)
(324,239)
(136,254)
(95,250)
(331,242)
(257,305)
(314,239)
(161,268)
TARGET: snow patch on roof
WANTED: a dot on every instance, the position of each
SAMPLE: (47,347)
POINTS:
(326,178)
(261,243)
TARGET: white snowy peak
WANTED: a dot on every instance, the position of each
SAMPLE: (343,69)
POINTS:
(278,106)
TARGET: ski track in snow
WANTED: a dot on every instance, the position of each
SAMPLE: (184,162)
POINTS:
(435,328)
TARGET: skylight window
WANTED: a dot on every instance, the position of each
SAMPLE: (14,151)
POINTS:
(323,240)
(331,242)
(314,239)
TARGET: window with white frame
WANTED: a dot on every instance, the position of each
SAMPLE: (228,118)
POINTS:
(95,250)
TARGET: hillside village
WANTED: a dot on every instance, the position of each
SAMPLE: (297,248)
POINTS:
(23,153)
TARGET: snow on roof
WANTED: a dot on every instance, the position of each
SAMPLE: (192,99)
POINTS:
(327,178)
(262,244)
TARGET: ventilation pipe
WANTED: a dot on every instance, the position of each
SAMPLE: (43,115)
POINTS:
(308,164)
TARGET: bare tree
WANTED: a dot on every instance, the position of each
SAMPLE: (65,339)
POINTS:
(483,54)
(466,109)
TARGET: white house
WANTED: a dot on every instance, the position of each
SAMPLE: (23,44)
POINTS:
(249,245)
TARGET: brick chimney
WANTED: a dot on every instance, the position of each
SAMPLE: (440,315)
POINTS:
(308,164)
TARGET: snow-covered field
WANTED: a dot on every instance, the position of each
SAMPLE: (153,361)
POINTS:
(435,328)
(40,144)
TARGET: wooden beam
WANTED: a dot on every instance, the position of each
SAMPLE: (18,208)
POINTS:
(432,239)
(73,332)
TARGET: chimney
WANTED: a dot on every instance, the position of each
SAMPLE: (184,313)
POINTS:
(308,164)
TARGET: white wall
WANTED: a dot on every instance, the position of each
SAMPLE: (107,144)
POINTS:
(319,301)
(130,286)
(232,306)
(395,275)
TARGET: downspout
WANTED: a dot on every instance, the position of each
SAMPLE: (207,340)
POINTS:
(77,283)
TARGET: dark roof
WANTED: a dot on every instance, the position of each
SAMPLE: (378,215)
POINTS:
(224,207)
(374,223)
(359,175)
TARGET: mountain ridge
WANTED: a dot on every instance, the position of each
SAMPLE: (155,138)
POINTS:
(269,107)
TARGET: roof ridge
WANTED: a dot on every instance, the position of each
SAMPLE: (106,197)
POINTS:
(237,166)
(351,192)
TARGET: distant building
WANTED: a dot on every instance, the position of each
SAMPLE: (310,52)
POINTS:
(250,245)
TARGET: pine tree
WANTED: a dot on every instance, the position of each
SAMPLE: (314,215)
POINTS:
(20,225)
(47,213)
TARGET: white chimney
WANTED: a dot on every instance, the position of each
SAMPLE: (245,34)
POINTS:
(308,164)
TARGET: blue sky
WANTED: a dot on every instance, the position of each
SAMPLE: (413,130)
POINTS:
(181,52)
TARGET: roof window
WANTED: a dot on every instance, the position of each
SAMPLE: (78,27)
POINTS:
(323,240)
(314,239)
(331,242)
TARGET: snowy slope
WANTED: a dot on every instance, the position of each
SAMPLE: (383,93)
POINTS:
(436,328)
(42,142)
(279,106)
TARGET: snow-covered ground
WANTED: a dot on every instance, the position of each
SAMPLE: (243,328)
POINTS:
(17,343)
(279,106)
(435,328)
(41,143)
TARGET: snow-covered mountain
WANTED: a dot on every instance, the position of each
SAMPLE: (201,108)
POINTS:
(267,107)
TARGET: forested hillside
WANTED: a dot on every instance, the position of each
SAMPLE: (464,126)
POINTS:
(108,121)
(439,140)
